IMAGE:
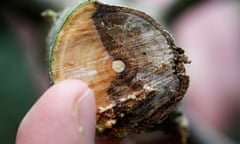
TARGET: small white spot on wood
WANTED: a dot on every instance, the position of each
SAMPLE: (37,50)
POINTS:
(103,109)
(102,23)
(110,123)
(118,66)
(148,88)
(122,115)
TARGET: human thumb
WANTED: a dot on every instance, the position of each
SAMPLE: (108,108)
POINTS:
(64,114)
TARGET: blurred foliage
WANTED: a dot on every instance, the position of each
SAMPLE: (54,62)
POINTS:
(16,91)
(178,8)
(235,133)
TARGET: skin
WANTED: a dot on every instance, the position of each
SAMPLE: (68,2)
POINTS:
(65,113)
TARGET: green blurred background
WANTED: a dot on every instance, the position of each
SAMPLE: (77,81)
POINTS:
(23,73)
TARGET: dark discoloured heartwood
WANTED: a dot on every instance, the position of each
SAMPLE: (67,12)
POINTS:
(130,62)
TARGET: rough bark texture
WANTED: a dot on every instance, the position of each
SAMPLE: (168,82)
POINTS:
(128,59)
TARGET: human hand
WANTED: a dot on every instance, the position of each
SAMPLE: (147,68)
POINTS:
(65,113)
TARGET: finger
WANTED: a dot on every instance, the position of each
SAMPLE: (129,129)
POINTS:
(64,114)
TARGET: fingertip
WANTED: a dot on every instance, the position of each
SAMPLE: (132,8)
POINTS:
(67,87)
(52,120)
